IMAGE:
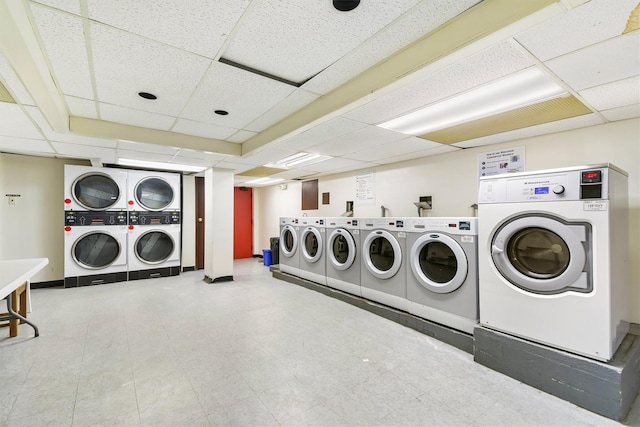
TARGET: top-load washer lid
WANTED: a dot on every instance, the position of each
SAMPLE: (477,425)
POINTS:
(381,254)
(288,241)
(95,191)
(154,247)
(154,193)
(342,249)
(544,254)
(96,250)
(438,262)
(311,244)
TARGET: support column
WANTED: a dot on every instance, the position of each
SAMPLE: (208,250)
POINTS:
(218,229)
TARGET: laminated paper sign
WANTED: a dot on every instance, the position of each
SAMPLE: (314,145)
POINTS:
(508,160)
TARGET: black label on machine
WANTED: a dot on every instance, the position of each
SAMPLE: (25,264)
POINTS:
(154,218)
(89,218)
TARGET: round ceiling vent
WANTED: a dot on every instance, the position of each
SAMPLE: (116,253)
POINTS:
(345,5)
(147,95)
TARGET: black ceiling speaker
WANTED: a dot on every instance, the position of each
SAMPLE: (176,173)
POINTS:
(345,5)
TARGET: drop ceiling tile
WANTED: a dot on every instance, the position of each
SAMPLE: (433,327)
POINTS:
(232,165)
(72,6)
(130,116)
(81,107)
(422,19)
(360,166)
(533,131)
(501,60)
(265,156)
(306,37)
(605,62)
(12,144)
(246,96)
(337,163)
(63,39)
(622,113)
(12,82)
(203,155)
(294,174)
(106,155)
(14,122)
(199,26)
(367,138)
(126,64)
(292,103)
(143,147)
(144,155)
(617,94)
(205,130)
(241,136)
(323,132)
(441,149)
(394,149)
(586,25)
(194,161)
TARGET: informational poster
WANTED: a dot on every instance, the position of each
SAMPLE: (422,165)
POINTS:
(508,160)
(365,191)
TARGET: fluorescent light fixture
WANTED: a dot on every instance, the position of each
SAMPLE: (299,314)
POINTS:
(298,159)
(264,181)
(518,90)
(160,165)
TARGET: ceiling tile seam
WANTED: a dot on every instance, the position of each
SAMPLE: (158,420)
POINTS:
(234,30)
(86,28)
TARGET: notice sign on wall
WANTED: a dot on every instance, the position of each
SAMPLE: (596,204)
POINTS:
(365,192)
(508,160)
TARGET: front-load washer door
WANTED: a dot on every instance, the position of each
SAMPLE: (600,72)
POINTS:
(96,250)
(95,191)
(288,241)
(311,240)
(154,193)
(382,255)
(438,263)
(154,247)
(342,249)
(544,254)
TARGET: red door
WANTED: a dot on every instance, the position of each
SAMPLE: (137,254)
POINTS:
(242,222)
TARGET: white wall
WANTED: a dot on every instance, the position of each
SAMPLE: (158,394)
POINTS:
(218,228)
(452,181)
(34,226)
(188,221)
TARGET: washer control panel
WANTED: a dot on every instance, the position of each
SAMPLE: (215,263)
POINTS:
(154,218)
(93,218)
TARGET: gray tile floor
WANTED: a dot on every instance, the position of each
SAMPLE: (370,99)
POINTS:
(253,352)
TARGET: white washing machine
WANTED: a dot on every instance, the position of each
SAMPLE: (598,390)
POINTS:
(94,189)
(311,247)
(95,253)
(153,191)
(383,274)
(154,244)
(289,242)
(343,254)
(442,270)
(553,257)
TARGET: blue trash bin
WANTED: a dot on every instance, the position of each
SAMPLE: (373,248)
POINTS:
(267,255)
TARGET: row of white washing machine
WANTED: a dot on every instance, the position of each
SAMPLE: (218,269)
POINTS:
(120,225)
(545,260)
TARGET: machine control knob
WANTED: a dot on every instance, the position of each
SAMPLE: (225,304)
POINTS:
(558,189)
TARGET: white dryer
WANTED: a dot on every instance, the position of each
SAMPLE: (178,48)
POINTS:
(154,244)
(553,262)
(94,189)
(153,191)
(289,243)
(95,253)
(442,270)
(311,247)
(343,254)
(383,274)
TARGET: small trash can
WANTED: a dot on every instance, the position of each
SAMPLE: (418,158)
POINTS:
(274,242)
(266,255)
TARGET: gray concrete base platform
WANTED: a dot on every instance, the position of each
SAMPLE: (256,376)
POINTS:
(608,389)
(442,333)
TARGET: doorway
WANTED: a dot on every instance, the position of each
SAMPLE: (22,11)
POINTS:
(242,222)
(199,223)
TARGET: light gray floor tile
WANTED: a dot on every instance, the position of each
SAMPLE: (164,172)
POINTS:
(289,399)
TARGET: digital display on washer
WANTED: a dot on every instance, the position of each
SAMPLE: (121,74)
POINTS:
(591,177)
(541,190)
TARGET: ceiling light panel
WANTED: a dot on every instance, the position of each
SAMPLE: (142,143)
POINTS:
(326,131)
(133,117)
(14,122)
(306,37)
(292,103)
(617,94)
(205,130)
(605,62)
(126,64)
(491,64)
(420,20)
(13,83)
(63,39)
(591,23)
(198,26)
(12,144)
(246,96)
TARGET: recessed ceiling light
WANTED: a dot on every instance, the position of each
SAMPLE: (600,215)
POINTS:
(147,95)
(345,5)
(221,112)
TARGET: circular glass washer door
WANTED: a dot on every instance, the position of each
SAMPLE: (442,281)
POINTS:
(288,241)
(311,244)
(96,250)
(154,247)
(95,191)
(381,254)
(541,254)
(438,262)
(154,193)
(342,249)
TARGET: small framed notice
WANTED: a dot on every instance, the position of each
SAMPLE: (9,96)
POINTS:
(508,160)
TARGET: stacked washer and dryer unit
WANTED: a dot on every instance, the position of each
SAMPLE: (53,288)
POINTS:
(120,225)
